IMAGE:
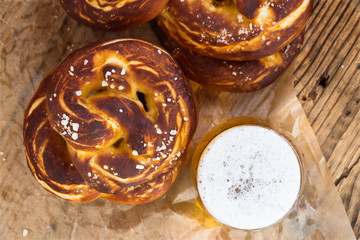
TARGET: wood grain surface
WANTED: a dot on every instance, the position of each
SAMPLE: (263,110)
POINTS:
(327,82)
(328,85)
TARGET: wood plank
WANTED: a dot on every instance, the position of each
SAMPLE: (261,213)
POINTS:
(347,151)
(345,169)
(327,82)
(325,58)
(316,33)
(334,76)
(349,190)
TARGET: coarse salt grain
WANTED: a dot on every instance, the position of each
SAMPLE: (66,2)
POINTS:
(120,110)
(74,136)
(106,167)
(104,84)
(123,71)
(173,132)
(64,122)
(75,126)
(71,68)
(138,166)
(135,153)
(121,87)
(158,130)
(78,93)
(25,232)
(159,51)
(186,119)
(85,61)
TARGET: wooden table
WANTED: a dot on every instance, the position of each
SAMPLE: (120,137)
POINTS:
(328,85)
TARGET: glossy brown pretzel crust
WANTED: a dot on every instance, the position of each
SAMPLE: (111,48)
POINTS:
(116,118)
(113,15)
(234,76)
(238,30)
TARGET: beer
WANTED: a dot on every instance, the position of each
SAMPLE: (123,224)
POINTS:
(247,174)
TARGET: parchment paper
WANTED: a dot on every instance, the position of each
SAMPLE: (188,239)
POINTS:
(35,37)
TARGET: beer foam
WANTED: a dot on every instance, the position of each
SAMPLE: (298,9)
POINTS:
(248,177)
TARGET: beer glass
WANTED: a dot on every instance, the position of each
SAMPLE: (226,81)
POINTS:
(248,173)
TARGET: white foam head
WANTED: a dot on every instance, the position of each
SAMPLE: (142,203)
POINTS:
(249,177)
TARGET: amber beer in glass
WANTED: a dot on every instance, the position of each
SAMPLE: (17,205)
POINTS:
(248,173)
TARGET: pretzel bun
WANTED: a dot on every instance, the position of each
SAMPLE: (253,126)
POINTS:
(116,117)
(234,76)
(238,30)
(113,15)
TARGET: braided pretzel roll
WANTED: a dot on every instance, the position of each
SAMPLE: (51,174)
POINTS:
(51,165)
(238,30)
(113,15)
(234,76)
(125,116)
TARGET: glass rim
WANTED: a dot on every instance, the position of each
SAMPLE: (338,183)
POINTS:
(214,132)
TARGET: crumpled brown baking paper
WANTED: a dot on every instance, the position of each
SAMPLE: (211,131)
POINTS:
(35,37)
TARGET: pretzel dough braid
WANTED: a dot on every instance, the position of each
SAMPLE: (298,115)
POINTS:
(234,76)
(113,15)
(238,30)
(47,155)
(149,191)
(125,116)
